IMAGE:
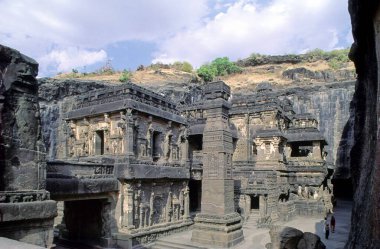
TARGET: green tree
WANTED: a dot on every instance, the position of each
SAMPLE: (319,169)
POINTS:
(207,72)
(218,67)
(225,67)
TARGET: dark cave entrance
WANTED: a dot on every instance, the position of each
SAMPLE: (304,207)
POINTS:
(83,221)
(195,195)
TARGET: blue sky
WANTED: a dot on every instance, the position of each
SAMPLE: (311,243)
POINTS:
(83,34)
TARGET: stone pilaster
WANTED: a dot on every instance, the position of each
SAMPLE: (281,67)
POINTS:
(218,224)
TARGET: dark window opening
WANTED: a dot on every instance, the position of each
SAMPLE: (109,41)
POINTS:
(156,145)
(195,195)
(99,142)
(196,142)
(255,202)
(301,149)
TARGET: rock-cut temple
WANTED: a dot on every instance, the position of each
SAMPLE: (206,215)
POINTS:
(131,166)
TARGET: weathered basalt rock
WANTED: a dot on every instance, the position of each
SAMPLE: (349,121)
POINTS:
(292,238)
(26,211)
(365,161)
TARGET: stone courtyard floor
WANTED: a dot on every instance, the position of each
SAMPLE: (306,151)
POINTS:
(256,238)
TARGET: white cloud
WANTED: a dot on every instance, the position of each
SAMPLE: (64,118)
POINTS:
(196,31)
(38,27)
(72,57)
(276,27)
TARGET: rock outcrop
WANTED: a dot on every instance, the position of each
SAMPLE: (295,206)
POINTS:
(26,211)
(292,238)
(365,160)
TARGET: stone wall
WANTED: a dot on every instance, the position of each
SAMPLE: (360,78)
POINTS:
(365,161)
(330,104)
(51,94)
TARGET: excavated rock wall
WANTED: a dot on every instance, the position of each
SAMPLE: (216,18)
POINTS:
(51,94)
(330,104)
(365,154)
(26,211)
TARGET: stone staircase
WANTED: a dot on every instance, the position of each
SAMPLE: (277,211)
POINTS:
(252,220)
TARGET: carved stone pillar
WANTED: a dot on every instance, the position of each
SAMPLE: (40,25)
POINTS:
(129,134)
(128,206)
(218,224)
(151,209)
(168,208)
(142,214)
(186,214)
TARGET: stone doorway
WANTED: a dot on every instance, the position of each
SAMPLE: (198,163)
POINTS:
(83,221)
(195,194)
(255,203)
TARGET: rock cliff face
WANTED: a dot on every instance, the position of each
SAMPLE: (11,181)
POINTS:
(21,149)
(51,93)
(365,154)
(26,211)
(330,104)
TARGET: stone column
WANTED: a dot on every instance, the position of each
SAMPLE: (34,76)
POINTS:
(186,214)
(218,224)
(128,206)
(129,134)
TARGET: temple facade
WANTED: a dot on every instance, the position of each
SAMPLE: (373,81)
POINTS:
(130,166)
(135,161)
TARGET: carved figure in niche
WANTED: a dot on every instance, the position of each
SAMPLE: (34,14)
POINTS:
(181,200)
(151,209)
(115,146)
(168,208)
(107,118)
(324,154)
(315,195)
(136,205)
(71,138)
(158,208)
(167,144)
(175,153)
(305,193)
(120,125)
(143,152)
(186,202)
(299,192)
(141,216)
(149,139)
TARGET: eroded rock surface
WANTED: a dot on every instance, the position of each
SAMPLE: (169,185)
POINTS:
(365,161)
(292,238)
(26,210)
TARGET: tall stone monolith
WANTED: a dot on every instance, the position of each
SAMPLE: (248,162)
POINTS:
(218,224)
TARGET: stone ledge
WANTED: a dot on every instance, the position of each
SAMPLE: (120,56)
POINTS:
(28,210)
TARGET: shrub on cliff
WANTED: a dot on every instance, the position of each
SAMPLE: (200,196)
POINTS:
(183,66)
(125,76)
(207,72)
(218,67)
